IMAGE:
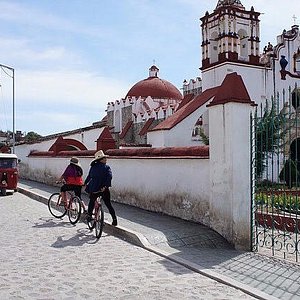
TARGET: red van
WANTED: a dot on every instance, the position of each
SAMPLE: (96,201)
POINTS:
(8,172)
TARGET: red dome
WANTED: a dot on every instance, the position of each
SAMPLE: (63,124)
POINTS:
(156,88)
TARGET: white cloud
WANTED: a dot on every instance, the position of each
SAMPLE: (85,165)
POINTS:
(25,53)
(53,77)
(50,102)
(29,15)
(69,87)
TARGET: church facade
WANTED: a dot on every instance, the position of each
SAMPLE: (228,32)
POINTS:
(230,43)
(154,113)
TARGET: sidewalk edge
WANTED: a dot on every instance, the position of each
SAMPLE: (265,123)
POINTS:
(138,239)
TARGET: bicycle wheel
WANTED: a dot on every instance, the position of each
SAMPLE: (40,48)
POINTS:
(56,206)
(74,210)
(99,221)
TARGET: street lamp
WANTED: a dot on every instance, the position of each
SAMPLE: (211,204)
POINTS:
(13,100)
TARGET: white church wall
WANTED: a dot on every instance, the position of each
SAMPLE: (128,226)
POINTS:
(180,135)
(230,206)
(48,169)
(175,186)
(23,150)
(88,138)
(258,80)
(157,138)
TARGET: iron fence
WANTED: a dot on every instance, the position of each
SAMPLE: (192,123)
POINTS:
(275,165)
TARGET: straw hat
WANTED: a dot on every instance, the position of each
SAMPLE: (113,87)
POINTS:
(75,161)
(99,155)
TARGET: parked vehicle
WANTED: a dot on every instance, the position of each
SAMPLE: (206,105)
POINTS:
(8,172)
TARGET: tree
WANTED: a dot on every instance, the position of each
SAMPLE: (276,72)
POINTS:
(31,136)
(268,136)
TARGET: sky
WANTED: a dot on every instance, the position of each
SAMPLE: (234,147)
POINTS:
(72,57)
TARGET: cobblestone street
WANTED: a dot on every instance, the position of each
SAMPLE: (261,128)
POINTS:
(46,258)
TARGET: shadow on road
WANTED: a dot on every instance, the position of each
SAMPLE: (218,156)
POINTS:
(83,236)
(46,222)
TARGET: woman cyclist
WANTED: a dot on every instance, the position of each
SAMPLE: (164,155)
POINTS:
(72,177)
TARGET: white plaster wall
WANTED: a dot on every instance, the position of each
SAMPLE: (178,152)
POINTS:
(230,205)
(88,138)
(157,138)
(175,186)
(49,169)
(178,136)
(258,80)
(23,150)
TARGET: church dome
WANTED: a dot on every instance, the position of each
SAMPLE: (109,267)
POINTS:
(154,87)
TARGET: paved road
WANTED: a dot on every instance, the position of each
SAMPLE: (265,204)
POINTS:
(46,258)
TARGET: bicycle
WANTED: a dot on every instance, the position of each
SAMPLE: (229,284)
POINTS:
(97,220)
(58,208)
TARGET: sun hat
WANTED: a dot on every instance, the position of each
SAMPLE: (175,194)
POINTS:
(99,155)
(74,160)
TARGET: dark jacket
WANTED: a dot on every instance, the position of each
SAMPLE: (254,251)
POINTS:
(99,176)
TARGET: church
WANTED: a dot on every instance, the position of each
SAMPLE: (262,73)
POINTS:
(230,43)
(199,139)
(154,113)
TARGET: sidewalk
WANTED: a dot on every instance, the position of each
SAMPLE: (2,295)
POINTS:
(197,247)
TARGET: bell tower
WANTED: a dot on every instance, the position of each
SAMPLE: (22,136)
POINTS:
(230,34)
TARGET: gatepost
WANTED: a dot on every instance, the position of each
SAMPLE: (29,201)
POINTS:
(229,136)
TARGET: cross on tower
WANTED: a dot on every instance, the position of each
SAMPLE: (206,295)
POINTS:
(295,18)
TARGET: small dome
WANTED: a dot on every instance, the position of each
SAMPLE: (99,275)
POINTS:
(155,87)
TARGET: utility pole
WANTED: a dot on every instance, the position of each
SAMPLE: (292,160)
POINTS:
(13,101)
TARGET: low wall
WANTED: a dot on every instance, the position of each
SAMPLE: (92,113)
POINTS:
(174,181)
(174,186)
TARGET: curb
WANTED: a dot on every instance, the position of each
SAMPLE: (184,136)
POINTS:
(138,239)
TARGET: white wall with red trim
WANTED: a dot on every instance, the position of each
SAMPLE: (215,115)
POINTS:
(179,135)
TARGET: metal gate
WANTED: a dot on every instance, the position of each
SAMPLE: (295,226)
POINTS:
(275,165)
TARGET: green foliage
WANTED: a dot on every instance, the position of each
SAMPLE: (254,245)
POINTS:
(266,185)
(31,136)
(282,201)
(204,137)
(268,135)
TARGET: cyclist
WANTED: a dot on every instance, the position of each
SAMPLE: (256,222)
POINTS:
(72,177)
(98,182)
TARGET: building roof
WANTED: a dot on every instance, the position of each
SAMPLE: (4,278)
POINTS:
(154,87)
(186,99)
(125,129)
(186,110)
(232,89)
(146,126)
